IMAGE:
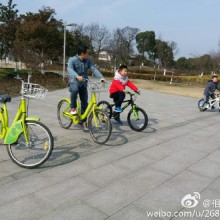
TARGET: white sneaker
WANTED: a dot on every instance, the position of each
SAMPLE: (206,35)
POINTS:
(73,111)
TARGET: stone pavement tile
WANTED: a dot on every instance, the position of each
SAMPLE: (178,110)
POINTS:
(29,207)
(134,162)
(207,168)
(6,179)
(116,196)
(169,134)
(67,191)
(101,158)
(132,212)
(210,118)
(215,185)
(136,146)
(22,187)
(204,132)
(105,175)
(178,161)
(187,181)
(79,211)
(210,131)
(161,199)
(66,171)
(192,142)
(4,153)
(158,152)
(214,156)
(8,168)
(207,211)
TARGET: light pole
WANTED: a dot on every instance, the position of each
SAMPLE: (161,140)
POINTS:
(64,46)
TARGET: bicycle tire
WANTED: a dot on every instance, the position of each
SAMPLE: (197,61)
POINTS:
(106,107)
(63,121)
(201,105)
(144,123)
(106,130)
(39,134)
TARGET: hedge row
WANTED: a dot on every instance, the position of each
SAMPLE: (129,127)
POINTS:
(189,80)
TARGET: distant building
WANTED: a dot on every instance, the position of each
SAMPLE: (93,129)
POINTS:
(104,56)
(104,60)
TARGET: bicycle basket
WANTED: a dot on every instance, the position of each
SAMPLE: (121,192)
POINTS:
(34,91)
(97,87)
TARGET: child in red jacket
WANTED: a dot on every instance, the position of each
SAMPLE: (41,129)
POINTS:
(117,88)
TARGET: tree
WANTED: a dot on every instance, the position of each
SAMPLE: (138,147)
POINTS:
(204,63)
(76,38)
(39,38)
(146,42)
(9,17)
(164,53)
(174,47)
(182,63)
(121,44)
(99,36)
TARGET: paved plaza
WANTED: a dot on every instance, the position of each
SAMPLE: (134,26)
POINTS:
(125,179)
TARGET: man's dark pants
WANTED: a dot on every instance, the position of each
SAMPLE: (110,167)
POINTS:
(81,89)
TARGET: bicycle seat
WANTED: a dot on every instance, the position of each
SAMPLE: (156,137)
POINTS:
(5,98)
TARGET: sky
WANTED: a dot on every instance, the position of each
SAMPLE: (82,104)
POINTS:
(193,24)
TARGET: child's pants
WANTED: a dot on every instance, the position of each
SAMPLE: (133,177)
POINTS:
(118,98)
(206,97)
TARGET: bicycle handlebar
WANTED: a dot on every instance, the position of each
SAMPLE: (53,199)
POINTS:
(132,94)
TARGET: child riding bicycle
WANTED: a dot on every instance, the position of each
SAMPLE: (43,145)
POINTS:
(117,88)
(210,88)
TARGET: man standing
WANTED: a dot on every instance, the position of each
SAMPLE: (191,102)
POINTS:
(77,69)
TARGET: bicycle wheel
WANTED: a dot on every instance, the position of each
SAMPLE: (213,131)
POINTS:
(106,107)
(39,149)
(100,127)
(137,119)
(64,106)
(201,105)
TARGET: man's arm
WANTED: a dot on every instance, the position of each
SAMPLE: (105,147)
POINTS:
(73,74)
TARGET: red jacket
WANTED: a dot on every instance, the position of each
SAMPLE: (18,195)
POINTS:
(118,86)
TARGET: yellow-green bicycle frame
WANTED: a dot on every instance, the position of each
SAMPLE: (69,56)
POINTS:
(92,106)
(12,133)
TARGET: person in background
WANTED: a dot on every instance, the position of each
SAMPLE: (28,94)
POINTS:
(210,88)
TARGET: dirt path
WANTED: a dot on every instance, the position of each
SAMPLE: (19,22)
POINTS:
(171,89)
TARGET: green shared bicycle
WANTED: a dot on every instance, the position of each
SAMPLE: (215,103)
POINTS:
(29,142)
(137,118)
(99,124)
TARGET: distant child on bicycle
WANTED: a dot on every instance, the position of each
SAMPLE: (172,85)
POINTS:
(117,87)
(210,88)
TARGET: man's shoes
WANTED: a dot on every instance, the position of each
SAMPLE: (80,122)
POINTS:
(73,111)
(118,109)
(118,120)
(84,125)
